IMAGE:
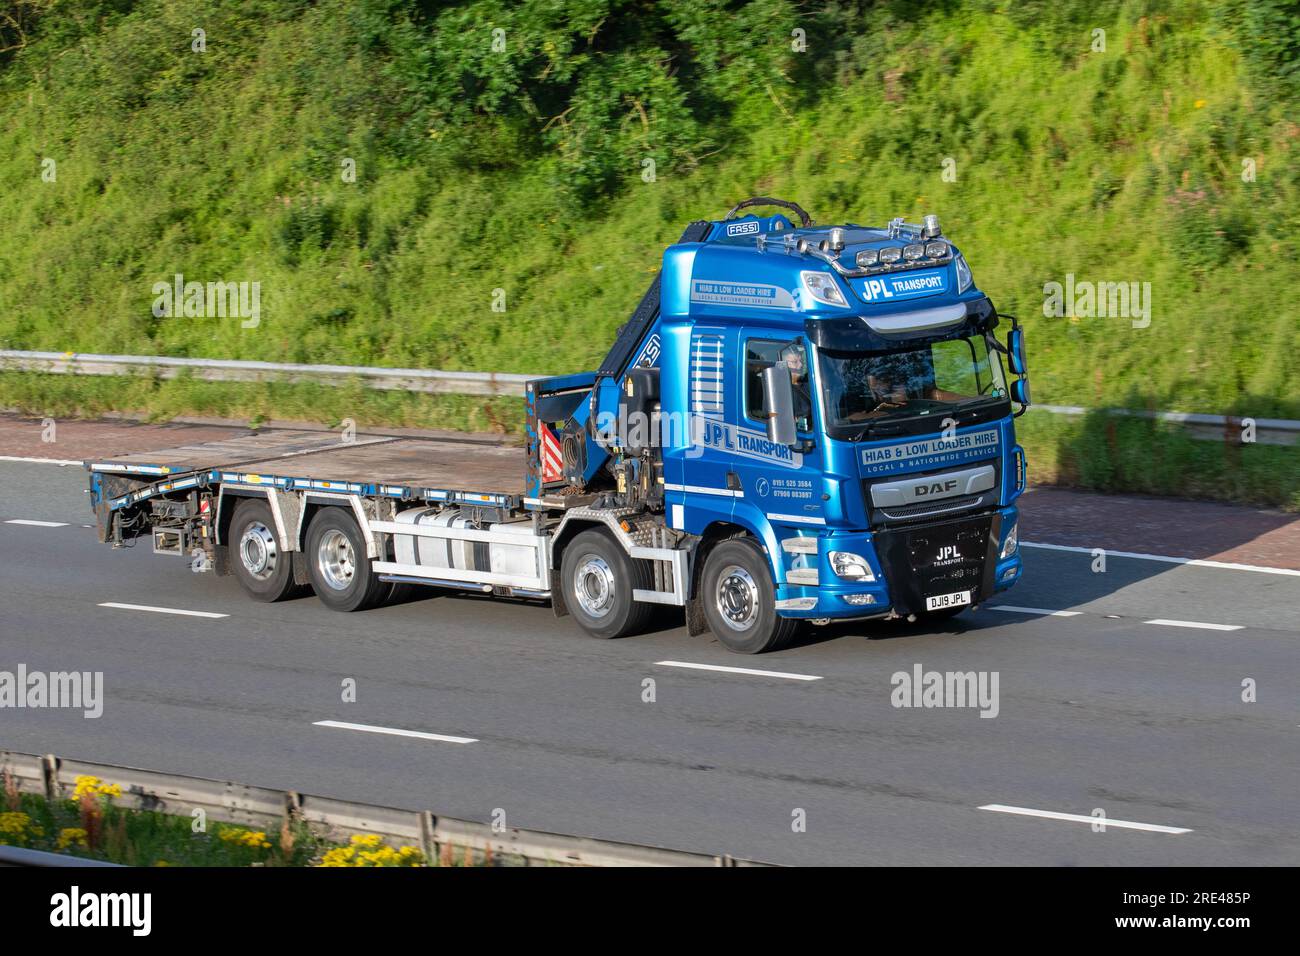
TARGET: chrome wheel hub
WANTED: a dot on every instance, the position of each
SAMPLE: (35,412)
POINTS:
(593,585)
(737,598)
(336,560)
(258,551)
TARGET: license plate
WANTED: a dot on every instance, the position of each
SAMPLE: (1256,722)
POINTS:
(938,602)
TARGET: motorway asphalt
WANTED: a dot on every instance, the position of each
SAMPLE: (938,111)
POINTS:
(1097,711)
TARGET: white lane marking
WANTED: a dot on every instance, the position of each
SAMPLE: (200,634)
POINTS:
(1196,562)
(162,610)
(37,524)
(1034,610)
(39,461)
(736,670)
(394,731)
(1081,818)
(1201,624)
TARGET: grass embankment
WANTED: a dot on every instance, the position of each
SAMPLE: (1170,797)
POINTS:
(1169,157)
(90,825)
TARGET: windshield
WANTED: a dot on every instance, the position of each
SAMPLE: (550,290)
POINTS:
(940,378)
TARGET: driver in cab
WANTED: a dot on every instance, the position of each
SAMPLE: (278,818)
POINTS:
(894,387)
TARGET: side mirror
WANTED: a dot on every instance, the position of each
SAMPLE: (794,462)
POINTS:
(1016,351)
(778,405)
(1020,391)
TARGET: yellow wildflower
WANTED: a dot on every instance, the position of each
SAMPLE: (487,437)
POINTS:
(71,836)
(252,838)
(93,787)
(370,850)
(14,823)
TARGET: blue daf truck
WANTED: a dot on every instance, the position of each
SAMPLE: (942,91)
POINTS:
(798,423)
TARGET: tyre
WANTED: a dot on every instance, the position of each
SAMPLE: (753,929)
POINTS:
(336,560)
(598,579)
(740,600)
(263,570)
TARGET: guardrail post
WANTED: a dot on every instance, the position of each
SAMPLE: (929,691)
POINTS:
(428,824)
(50,777)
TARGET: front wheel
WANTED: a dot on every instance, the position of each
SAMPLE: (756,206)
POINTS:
(336,559)
(740,600)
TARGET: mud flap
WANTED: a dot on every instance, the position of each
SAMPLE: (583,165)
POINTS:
(301,570)
(557,601)
(696,624)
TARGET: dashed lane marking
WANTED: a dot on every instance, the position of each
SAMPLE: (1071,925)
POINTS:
(1081,818)
(394,732)
(161,610)
(736,670)
(1201,624)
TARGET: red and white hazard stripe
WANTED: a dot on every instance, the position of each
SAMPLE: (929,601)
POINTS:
(552,457)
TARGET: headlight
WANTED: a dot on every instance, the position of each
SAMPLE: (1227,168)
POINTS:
(964,279)
(1013,541)
(846,564)
(936,250)
(822,287)
(867,258)
(914,251)
(891,254)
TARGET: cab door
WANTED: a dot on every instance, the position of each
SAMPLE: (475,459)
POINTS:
(780,485)
(697,490)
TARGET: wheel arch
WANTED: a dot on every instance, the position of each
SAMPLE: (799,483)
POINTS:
(712,535)
(569,530)
(742,525)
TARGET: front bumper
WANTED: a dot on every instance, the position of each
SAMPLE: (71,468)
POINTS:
(908,565)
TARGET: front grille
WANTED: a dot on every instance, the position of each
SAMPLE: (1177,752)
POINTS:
(928,509)
(884,515)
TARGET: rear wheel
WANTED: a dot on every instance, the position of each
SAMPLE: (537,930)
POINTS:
(336,559)
(263,570)
(598,579)
(740,600)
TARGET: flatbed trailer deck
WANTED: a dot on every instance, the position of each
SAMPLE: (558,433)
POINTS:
(403,493)
(433,468)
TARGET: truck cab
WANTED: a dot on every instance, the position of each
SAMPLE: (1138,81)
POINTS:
(836,425)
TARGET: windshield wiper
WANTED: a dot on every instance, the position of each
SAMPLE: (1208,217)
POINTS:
(897,422)
(878,427)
